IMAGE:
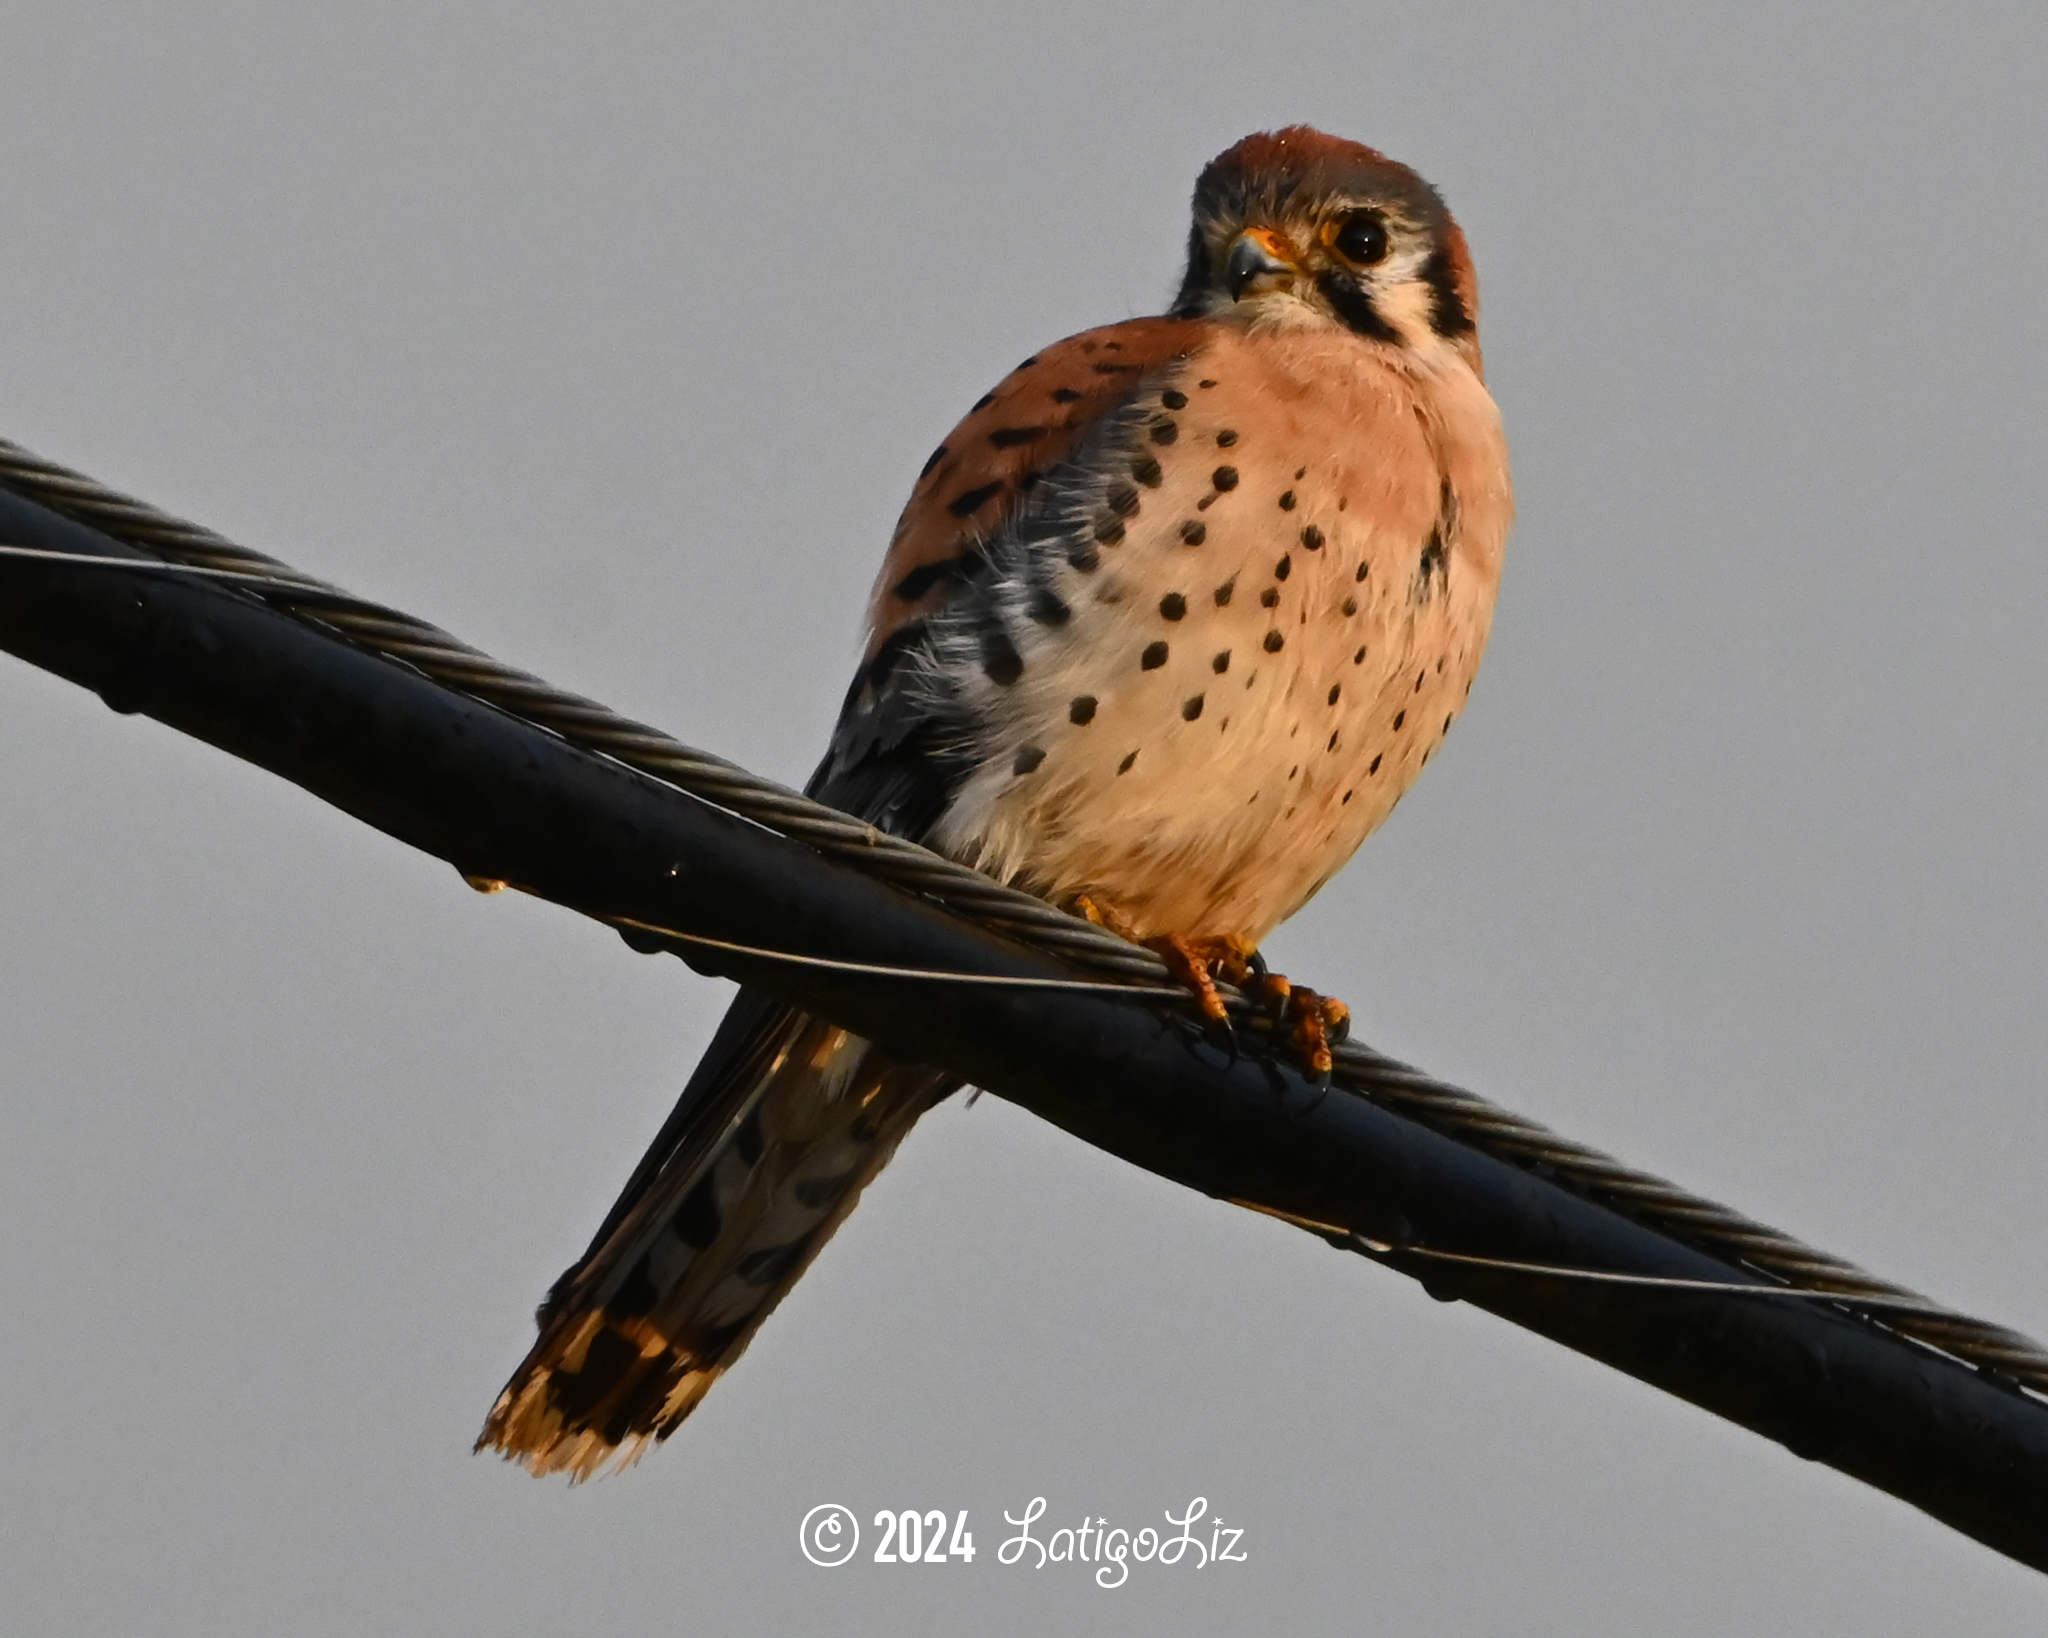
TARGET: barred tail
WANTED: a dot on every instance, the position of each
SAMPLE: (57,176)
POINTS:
(782,1126)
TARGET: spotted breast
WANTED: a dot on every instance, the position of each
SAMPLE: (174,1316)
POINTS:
(1204,658)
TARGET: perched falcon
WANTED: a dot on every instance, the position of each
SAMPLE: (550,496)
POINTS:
(1170,622)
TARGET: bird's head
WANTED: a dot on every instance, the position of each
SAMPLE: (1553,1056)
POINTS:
(1295,228)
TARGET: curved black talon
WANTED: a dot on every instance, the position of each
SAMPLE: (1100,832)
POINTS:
(1223,1033)
(1271,1000)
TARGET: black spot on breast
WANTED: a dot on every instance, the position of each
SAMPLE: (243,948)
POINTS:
(973,499)
(1124,766)
(1224,478)
(1174,400)
(1225,438)
(1359,657)
(1347,798)
(1205,383)
(1300,472)
(1081,711)
(1283,568)
(1173,606)
(1350,605)
(1399,718)
(1121,499)
(1270,598)
(1275,642)
(1312,538)
(1194,531)
(1110,531)
(1225,591)
(1164,432)
(999,656)
(1029,481)
(1335,690)
(1112,346)
(1364,569)
(1033,359)
(1375,766)
(1153,658)
(1287,501)
(1028,758)
(1046,608)
(1221,663)
(983,402)
(1107,367)
(1447,725)
(936,456)
(1333,743)
(1191,708)
(1065,395)
(1146,470)
(1084,558)
(1011,437)
(1418,680)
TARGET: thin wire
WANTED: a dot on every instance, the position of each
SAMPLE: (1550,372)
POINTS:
(1453,1111)
(153,565)
(1662,1282)
(934,975)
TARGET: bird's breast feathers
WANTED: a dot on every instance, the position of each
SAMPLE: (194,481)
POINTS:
(1223,621)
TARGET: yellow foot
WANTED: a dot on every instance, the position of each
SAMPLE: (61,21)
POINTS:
(1106,916)
(1195,962)
(1199,962)
(1314,1023)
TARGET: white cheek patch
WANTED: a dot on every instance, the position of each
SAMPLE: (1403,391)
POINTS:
(1409,307)
(1296,308)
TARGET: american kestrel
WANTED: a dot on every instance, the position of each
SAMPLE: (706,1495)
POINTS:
(1170,622)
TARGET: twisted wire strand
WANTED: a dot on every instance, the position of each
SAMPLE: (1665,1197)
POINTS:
(395,635)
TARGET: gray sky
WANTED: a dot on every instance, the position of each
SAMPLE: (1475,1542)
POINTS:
(611,337)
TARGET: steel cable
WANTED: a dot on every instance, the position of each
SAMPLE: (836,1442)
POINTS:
(1450,1110)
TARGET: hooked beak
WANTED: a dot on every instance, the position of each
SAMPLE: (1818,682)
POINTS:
(1255,254)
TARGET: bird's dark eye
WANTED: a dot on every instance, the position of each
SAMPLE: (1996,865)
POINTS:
(1360,238)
